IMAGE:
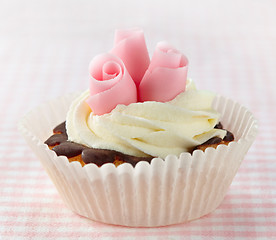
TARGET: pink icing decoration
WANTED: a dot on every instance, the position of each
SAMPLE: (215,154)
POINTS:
(166,75)
(110,84)
(130,46)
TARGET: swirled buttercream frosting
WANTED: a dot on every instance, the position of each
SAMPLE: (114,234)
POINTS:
(147,128)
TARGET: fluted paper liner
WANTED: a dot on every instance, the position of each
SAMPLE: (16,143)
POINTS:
(170,191)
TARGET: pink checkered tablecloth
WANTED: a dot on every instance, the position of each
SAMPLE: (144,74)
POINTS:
(45,48)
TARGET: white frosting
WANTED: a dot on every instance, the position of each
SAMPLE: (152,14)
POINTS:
(148,128)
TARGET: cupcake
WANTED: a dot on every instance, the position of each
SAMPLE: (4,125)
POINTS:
(142,147)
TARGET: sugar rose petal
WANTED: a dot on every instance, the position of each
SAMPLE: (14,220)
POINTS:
(131,47)
(110,84)
(166,75)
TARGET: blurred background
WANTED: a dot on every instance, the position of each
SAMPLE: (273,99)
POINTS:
(45,49)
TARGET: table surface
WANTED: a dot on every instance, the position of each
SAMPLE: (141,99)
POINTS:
(45,49)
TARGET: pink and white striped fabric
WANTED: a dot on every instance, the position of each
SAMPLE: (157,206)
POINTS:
(45,49)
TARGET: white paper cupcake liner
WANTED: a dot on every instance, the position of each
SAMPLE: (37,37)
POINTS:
(170,191)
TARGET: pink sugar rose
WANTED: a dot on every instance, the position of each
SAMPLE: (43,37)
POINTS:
(130,46)
(166,76)
(110,84)
(118,76)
